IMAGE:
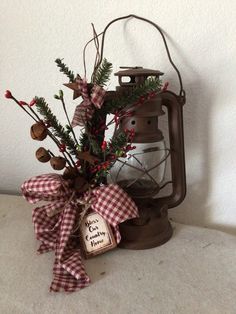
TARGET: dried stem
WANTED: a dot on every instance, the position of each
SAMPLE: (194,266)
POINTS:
(97,57)
(37,119)
(68,120)
(23,108)
(84,52)
(51,153)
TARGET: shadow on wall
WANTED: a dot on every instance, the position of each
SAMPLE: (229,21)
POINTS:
(196,209)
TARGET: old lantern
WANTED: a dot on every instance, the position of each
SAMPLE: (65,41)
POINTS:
(142,172)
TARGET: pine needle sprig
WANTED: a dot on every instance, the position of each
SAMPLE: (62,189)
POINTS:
(58,130)
(102,74)
(88,142)
(64,69)
(83,140)
(118,141)
(95,148)
(150,85)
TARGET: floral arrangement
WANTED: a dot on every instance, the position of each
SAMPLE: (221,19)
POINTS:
(87,158)
(90,156)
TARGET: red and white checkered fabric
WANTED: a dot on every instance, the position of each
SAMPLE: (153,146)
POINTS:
(54,223)
(84,111)
(114,205)
(97,96)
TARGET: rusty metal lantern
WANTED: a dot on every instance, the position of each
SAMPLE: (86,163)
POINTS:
(142,172)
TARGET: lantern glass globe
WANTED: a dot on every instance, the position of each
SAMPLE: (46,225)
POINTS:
(142,171)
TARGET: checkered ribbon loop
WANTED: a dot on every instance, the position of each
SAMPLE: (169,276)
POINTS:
(54,223)
(84,111)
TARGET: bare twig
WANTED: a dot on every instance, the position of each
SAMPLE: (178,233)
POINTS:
(68,120)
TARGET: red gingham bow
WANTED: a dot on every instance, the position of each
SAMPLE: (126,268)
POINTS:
(84,111)
(54,223)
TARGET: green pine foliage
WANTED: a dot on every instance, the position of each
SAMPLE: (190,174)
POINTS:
(150,85)
(95,148)
(58,130)
(118,142)
(64,69)
(83,140)
(102,74)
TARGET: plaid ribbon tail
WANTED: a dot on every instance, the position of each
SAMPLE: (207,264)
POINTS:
(115,206)
(64,281)
(44,228)
(83,113)
(53,225)
(69,272)
(97,96)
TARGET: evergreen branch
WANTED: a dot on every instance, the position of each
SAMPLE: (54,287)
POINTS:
(64,69)
(150,85)
(83,140)
(95,148)
(87,142)
(118,141)
(58,129)
(102,74)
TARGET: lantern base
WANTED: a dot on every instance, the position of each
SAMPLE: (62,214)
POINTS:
(151,229)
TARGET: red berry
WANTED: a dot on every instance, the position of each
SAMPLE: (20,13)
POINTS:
(104,145)
(116,118)
(129,113)
(62,148)
(8,94)
(93,169)
(149,96)
(33,102)
(142,99)
(23,103)
(164,88)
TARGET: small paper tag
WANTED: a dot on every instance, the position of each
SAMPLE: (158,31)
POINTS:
(96,235)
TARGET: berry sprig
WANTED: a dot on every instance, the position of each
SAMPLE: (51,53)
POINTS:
(40,129)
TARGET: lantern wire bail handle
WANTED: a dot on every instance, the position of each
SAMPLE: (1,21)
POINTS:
(182,92)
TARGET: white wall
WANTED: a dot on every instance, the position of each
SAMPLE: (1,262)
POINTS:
(201,36)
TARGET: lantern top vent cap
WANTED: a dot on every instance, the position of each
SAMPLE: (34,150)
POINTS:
(138,71)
